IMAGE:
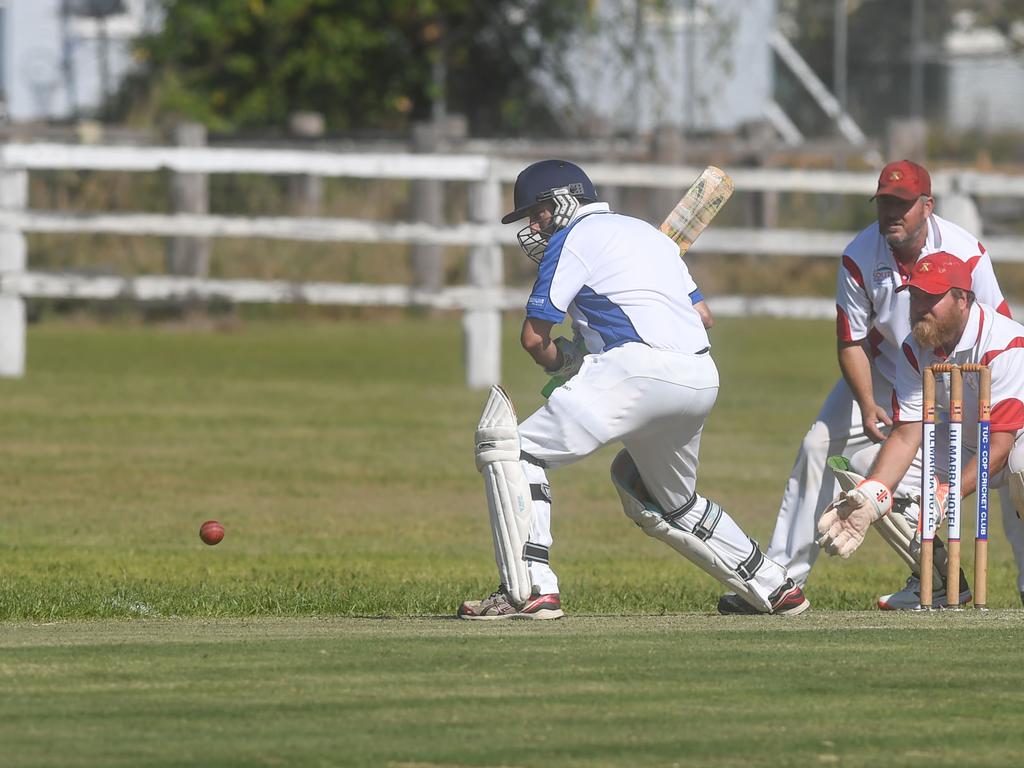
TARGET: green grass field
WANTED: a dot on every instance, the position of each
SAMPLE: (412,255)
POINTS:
(339,458)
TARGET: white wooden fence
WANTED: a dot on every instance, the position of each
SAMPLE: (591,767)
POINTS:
(482,300)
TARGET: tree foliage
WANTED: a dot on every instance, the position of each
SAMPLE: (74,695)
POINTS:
(363,64)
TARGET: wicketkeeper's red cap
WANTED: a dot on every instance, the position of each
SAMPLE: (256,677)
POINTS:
(937,272)
(904,179)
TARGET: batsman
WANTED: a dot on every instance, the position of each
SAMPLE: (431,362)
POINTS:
(639,373)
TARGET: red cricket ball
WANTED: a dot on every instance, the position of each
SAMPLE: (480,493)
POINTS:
(211,532)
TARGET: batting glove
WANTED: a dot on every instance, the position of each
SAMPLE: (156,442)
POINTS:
(573,353)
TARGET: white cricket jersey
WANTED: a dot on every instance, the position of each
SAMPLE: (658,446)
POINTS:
(990,339)
(620,280)
(867,305)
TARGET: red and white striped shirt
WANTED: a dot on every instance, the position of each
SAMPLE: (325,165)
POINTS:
(867,305)
(990,339)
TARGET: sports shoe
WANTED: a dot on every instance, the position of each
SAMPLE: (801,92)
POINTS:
(499,605)
(909,598)
(787,600)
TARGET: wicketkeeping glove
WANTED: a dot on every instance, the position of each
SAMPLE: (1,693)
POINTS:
(845,521)
(941,497)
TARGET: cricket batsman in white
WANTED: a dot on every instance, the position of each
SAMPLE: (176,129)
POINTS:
(640,374)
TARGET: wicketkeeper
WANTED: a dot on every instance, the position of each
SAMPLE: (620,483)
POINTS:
(949,326)
(872,320)
(640,374)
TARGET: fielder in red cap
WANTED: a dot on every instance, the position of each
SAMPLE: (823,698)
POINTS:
(937,272)
(905,180)
(872,320)
(949,326)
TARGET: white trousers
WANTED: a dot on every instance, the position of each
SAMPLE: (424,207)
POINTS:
(838,430)
(652,401)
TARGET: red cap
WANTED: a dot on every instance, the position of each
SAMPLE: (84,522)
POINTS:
(937,272)
(904,179)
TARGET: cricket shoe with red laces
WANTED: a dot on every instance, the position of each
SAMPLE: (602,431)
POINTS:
(499,605)
(909,598)
(787,600)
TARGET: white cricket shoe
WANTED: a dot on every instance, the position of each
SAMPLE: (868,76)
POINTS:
(909,598)
(499,605)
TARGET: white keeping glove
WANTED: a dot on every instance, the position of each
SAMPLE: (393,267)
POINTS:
(845,521)
(573,353)
(941,497)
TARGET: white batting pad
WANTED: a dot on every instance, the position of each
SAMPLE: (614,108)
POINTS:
(509,498)
(702,552)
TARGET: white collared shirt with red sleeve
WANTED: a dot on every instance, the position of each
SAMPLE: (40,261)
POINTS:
(867,304)
(990,339)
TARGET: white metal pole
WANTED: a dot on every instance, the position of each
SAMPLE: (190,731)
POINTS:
(13,259)
(839,53)
(482,323)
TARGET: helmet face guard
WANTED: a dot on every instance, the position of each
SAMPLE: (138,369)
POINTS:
(533,238)
(533,242)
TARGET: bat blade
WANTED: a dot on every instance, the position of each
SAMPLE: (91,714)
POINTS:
(695,210)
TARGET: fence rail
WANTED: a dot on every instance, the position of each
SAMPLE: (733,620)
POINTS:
(485,296)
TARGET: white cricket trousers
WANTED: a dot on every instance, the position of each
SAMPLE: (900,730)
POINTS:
(652,401)
(838,430)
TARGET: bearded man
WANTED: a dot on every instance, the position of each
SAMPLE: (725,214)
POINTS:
(948,326)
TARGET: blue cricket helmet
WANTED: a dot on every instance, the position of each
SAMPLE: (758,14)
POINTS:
(539,181)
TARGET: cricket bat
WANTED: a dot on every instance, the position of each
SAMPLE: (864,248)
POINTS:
(691,216)
(695,210)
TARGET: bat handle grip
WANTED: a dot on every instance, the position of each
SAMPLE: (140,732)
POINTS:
(553,383)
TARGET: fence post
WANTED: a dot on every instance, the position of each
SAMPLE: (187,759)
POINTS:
(960,207)
(428,207)
(13,259)
(668,147)
(906,138)
(428,198)
(305,191)
(482,324)
(190,193)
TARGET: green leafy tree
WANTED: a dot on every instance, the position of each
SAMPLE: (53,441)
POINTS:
(363,64)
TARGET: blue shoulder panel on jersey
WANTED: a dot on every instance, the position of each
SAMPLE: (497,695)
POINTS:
(607,318)
(696,296)
(539,305)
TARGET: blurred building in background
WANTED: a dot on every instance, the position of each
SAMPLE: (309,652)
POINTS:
(696,66)
(985,77)
(794,70)
(60,58)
